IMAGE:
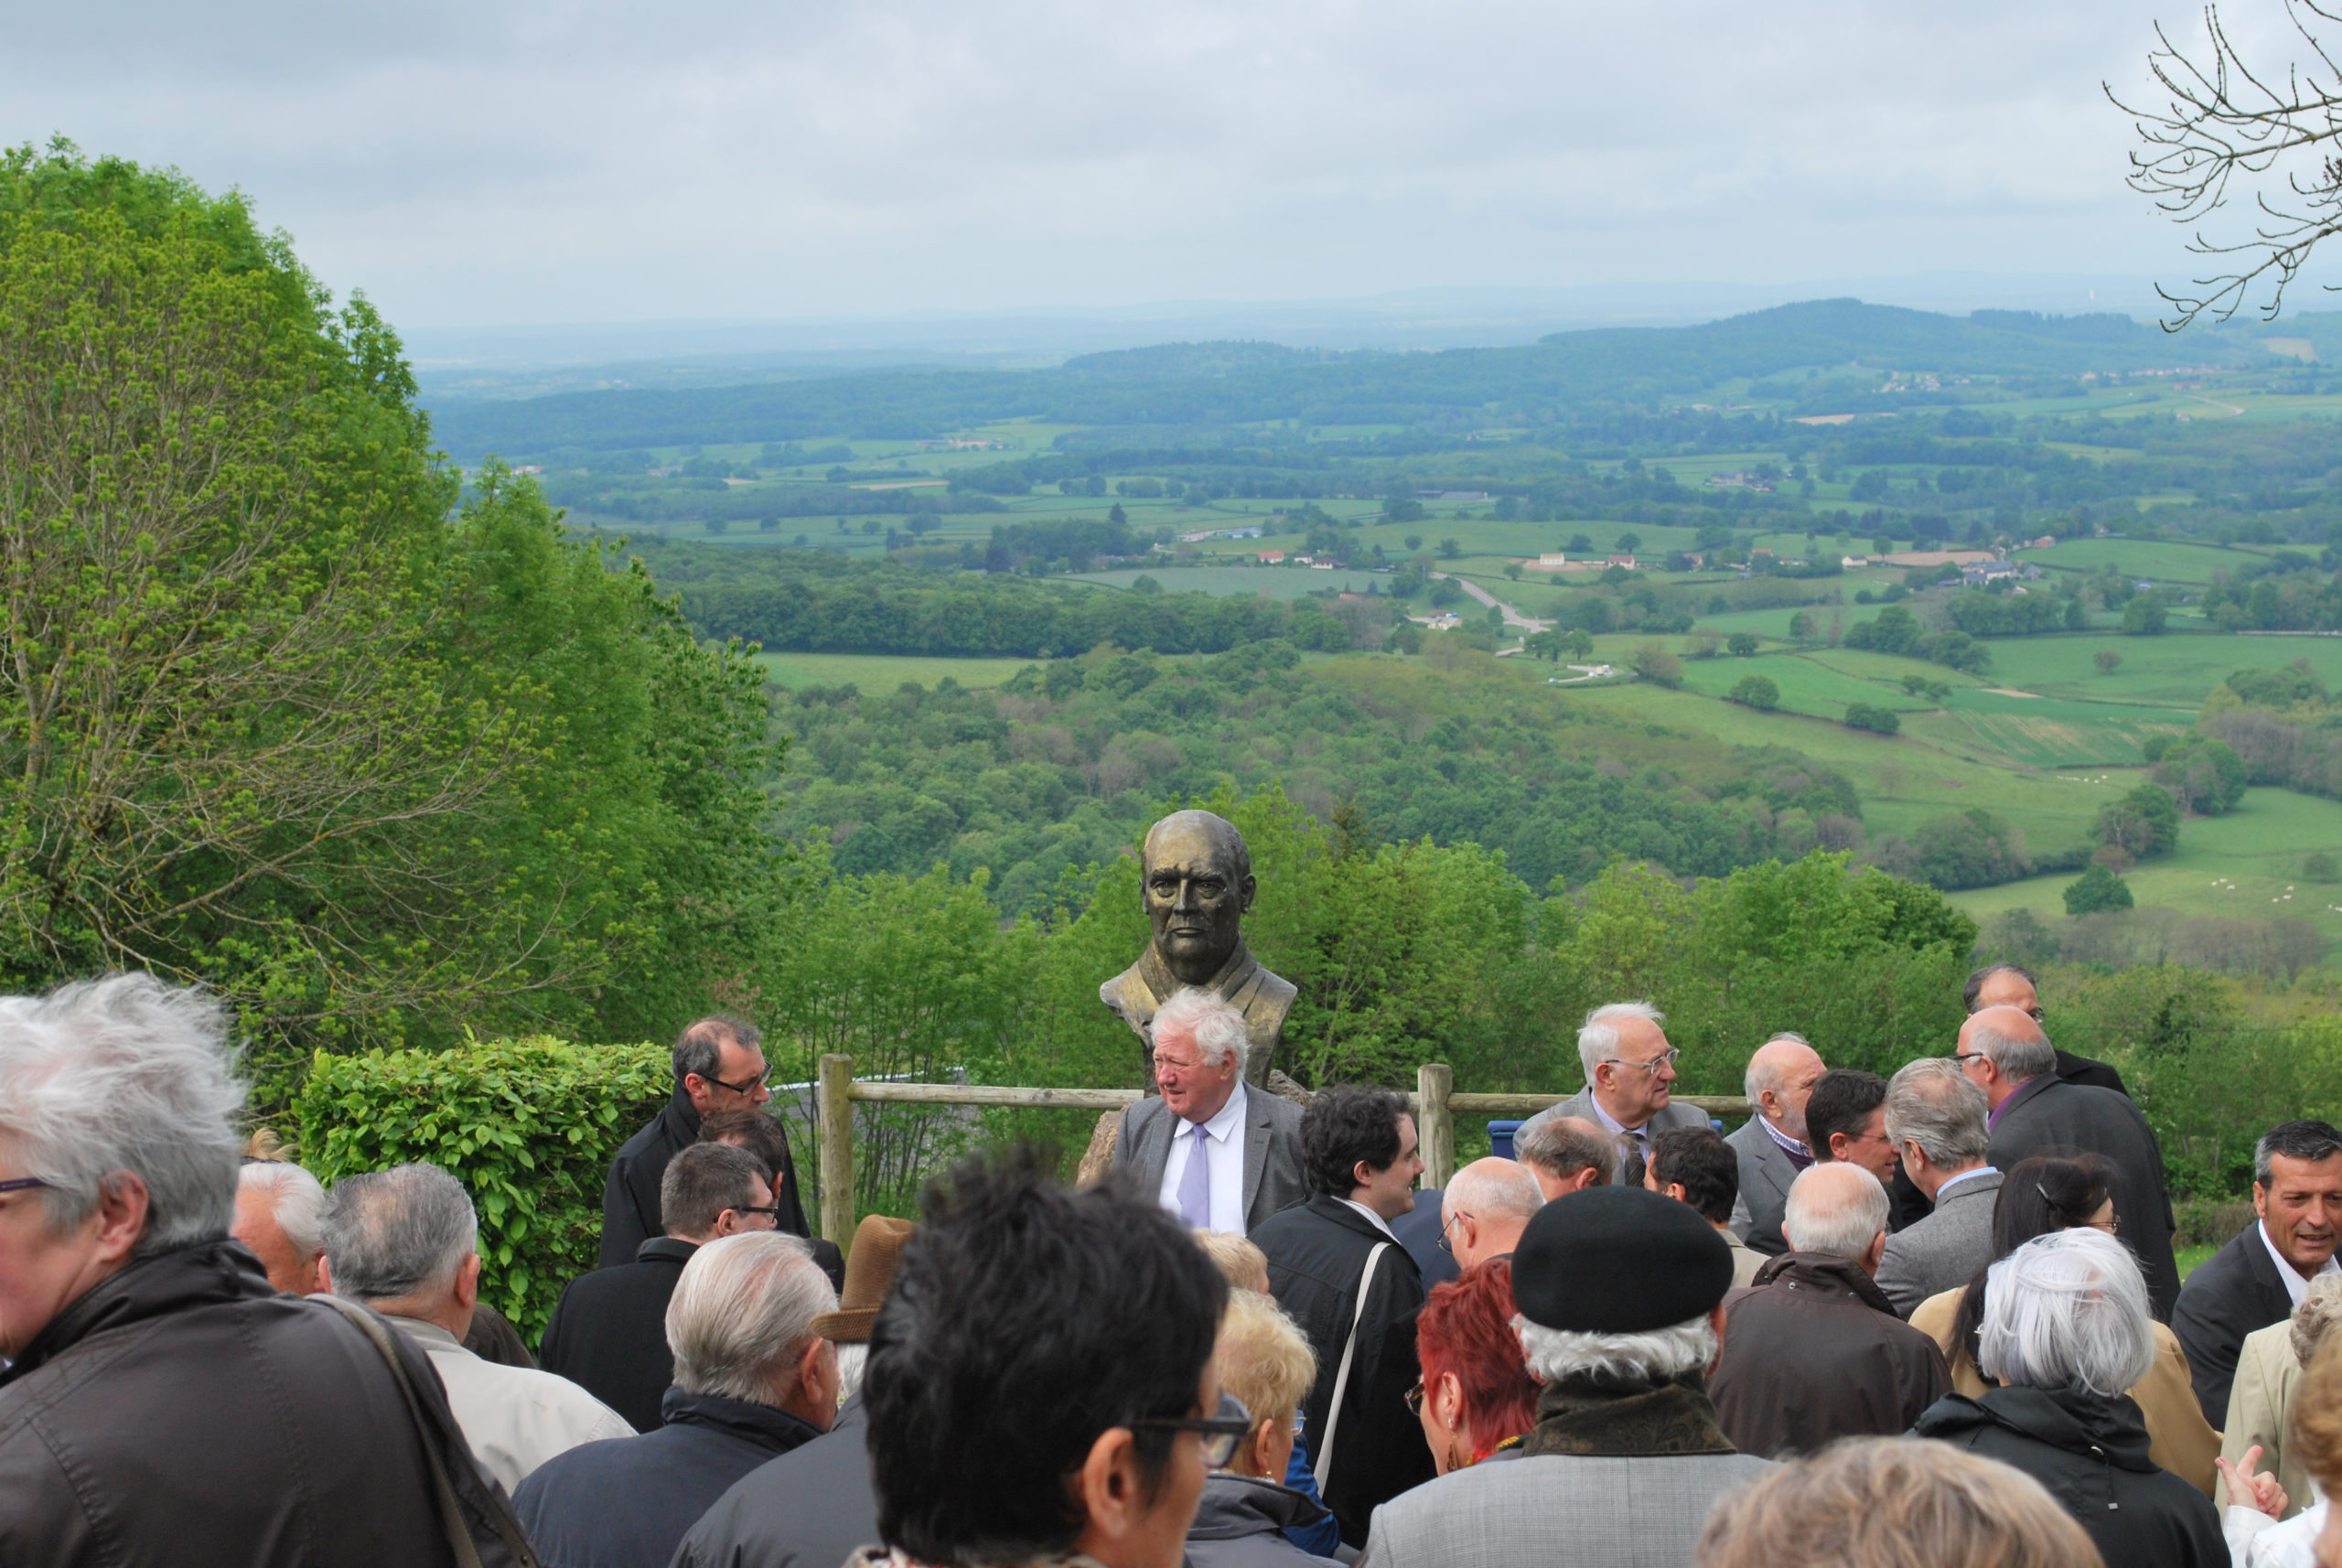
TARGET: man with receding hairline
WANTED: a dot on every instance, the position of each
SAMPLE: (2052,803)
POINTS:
(719,1066)
(1487,1206)
(2003,1052)
(1629,1076)
(1567,1155)
(2013,985)
(1772,1144)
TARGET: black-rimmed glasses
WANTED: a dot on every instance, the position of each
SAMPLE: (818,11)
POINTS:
(1447,1243)
(1220,1432)
(750,1087)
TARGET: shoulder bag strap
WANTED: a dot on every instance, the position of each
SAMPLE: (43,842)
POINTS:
(451,1512)
(1324,1468)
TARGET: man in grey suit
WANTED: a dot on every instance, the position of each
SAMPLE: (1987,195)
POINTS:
(1936,1118)
(1621,1294)
(1219,1155)
(1629,1077)
(1772,1144)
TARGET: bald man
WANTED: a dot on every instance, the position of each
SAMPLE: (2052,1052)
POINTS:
(1486,1208)
(2013,985)
(1772,1144)
(2003,1052)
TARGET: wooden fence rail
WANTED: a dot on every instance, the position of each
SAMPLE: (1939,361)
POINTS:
(1435,1105)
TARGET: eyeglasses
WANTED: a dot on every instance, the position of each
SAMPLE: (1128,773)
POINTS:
(1221,1431)
(1415,1399)
(23,1183)
(750,1087)
(773,1209)
(1665,1059)
(1448,1243)
(1963,1058)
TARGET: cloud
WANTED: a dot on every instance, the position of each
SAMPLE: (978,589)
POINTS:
(592,161)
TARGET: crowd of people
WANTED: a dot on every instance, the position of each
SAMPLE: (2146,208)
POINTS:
(1934,1319)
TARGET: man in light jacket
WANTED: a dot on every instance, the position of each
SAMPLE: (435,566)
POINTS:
(406,1242)
(1936,1119)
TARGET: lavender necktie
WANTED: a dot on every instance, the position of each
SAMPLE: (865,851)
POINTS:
(1195,1184)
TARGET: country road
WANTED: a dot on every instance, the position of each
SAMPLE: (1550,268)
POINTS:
(1528,625)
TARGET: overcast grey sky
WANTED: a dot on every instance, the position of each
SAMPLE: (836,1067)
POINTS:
(489,162)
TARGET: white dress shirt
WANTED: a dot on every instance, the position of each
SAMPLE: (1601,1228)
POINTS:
(1380,1223)
(1612,1124)
(2295,1287)
(1224,1144)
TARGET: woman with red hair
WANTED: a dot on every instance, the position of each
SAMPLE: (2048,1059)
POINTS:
(1477,1395)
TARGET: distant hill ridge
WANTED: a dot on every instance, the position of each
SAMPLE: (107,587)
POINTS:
(1208,384)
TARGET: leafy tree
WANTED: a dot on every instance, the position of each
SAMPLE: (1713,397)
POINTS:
(1801,626)
(2107,660)
(2144,823)
(2146,615)
(2096,891)
(1755,692)
(2204,775)
(1658,666)
(1449,550)
(1869,716)
(1741,644)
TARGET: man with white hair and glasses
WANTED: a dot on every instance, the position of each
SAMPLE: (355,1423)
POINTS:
(1629,1077)
(1219,1155)
(753,1381)
(1814,1351)
(161,1402)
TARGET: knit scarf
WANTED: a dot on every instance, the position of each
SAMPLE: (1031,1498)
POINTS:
(1618,1418)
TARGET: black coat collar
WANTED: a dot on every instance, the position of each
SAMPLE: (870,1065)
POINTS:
(665,1250)
(767,1427)
(204,1275)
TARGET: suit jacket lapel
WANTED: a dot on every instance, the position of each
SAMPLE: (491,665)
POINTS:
(1776,1165)
(1155,1143)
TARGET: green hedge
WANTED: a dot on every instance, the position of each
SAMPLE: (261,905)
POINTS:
(529,1126)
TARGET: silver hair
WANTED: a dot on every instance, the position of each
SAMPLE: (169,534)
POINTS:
(2318,1310)
(1558,1148)
(1597,1041)
(2019,1060)
(853,1360)
(1931,1102)
(396,1233)
(2068,1310)
(1834,1208)
(743,1309)
(295,1198)
(1219,1029)
(125,1074)
(1555,1355)
(1493,1188)
(2316,1141)
(1756,1079)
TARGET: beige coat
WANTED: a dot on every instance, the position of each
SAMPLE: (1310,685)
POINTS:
(2180,1439)
(2260,1409)
(514,1419)
(1745,1260)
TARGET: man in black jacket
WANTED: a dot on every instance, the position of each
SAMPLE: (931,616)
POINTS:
(753,1380)
(1360,1153)
(2260,1276)
(608,1331)
(719,1066)
(2013,985)
(2005,1053)
(163,1403)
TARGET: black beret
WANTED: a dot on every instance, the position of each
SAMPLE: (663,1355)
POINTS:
(1619,1260)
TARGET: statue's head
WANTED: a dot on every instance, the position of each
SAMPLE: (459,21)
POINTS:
(1196,877)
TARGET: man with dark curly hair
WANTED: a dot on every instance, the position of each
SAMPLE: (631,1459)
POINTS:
(1335,1266)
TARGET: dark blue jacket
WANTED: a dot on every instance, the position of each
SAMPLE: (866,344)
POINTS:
(626,1502)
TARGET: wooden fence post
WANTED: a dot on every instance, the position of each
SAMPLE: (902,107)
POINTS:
(1435,1125)
(836,1108)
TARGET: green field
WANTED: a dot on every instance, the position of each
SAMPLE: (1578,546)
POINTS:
(2149,560)
(881,671)
(1228,582)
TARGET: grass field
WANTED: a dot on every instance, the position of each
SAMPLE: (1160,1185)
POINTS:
(881,671)
(1228,582)
(2148,560)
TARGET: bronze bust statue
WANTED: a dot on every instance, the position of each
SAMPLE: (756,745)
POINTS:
(1196,879)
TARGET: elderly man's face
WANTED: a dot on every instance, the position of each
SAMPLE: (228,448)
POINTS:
(43,1272)
(2301,1207)
(1795,1068)
(1193,1090)
(1195,898)
(290,1269)
(1641,1081)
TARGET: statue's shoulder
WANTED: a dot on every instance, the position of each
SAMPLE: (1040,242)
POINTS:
(1129,995)
(1263,995)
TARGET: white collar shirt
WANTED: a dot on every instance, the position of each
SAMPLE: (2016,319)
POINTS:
(1380,1223)
(2295,1287)
(1955,1181)
(1224,1161)
(1612,1124)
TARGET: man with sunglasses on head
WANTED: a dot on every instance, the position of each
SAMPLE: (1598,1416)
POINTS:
(719,1066)
(608,1331)
(1629,1077)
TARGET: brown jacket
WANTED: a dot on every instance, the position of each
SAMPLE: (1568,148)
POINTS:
(1814,1351)
(2180,1440)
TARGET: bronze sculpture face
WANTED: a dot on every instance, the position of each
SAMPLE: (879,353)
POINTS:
(1197,882)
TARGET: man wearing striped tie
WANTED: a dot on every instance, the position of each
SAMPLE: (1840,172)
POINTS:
(1219,1156)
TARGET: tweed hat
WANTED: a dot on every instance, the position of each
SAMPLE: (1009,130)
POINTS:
(869,1271)
(1619,1260)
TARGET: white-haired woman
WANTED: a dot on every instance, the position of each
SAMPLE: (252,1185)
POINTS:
(2066,1331)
